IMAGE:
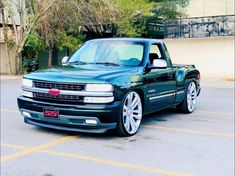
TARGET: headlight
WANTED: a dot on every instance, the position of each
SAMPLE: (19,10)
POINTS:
(27,82)
(99,87)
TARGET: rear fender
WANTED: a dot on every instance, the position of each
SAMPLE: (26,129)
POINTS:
(184,75)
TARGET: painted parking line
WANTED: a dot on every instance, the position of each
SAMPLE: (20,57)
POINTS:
(207,133)
(36,148)
(13,146)
(105,161)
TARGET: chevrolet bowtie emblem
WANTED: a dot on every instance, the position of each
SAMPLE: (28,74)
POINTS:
(54,92)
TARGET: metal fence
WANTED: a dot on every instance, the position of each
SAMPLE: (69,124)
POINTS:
(200,27)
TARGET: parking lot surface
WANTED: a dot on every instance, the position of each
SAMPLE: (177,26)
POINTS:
(168,143)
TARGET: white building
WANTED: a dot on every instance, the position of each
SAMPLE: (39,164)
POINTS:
(206,39)
(202,8)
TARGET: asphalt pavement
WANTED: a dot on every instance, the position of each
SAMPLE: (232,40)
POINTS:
(168,143)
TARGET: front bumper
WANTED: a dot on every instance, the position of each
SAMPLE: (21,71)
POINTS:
(71,116)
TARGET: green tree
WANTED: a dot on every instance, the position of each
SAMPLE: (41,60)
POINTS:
(61,26)
(57,30)
(170,9)
(28,12)
(127,15)
(131,16)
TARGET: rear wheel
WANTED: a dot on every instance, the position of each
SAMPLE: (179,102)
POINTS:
(189,103)
(131,115)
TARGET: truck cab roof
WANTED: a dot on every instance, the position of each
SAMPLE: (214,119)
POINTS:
(144,40)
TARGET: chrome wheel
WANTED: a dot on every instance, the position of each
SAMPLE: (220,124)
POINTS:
(132,112)
(191,96)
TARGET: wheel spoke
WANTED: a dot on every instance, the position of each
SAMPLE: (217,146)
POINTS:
(138,111)
(127,124)
(192,88)
(134,103)
(129,99)
(192,104)
(132,124)
(189,87)
(189,105)
(137,117)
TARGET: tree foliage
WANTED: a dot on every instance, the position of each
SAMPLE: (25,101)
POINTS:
(131,17)
(170,9)
(59,23)
(27,21)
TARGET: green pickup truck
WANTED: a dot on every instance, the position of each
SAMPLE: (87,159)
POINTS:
(108,84)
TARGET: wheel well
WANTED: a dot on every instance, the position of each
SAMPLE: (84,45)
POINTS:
(191,80)
(195,83)
(141,94)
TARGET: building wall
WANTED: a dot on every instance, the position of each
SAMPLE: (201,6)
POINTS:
(13,4)
(199,8)
(213,56)
(4,66)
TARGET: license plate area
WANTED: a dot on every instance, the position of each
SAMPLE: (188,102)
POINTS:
(51,113)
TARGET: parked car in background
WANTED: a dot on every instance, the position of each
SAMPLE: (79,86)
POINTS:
(29,65)
(32,66)
(109,84)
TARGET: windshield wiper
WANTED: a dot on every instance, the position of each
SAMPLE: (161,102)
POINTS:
(108,63)
(77,63)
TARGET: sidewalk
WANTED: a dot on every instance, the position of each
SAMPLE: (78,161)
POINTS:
(11,77)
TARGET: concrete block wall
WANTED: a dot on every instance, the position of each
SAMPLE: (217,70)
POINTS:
(213,56)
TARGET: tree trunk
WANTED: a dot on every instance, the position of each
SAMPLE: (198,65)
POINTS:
(5,38)
(9,60)
(18,61)
(50,52)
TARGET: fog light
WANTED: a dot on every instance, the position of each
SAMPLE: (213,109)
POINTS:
(98,99)
(27,94)
(91,121)
(26,114)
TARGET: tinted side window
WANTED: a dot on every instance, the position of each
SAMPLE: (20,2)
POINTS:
(155,49)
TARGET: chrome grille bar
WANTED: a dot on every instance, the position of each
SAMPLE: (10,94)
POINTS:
(68,92)
(60,86)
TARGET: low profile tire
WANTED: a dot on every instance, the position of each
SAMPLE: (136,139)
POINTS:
(131,115)
(188,105)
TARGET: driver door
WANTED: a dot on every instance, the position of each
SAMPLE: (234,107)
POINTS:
(161,82)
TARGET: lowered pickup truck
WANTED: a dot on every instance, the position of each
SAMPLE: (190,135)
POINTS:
(108,84)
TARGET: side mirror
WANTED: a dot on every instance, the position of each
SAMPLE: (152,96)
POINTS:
(65,60)
(159,63)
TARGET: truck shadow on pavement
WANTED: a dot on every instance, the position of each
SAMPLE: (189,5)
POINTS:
(150,119)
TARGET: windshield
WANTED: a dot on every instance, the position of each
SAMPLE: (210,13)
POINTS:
(109,53)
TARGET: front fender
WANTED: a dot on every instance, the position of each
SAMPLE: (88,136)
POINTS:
(129,82)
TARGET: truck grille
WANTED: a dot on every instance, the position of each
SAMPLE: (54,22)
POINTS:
(59,97)
(60,86)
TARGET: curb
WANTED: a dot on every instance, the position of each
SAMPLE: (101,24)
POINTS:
(3,77)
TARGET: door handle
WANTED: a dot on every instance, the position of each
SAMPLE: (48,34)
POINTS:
(170,75)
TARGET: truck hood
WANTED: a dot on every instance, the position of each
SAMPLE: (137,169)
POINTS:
(82,73)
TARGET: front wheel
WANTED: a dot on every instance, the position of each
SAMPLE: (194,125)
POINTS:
(189,103)
(131,115)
